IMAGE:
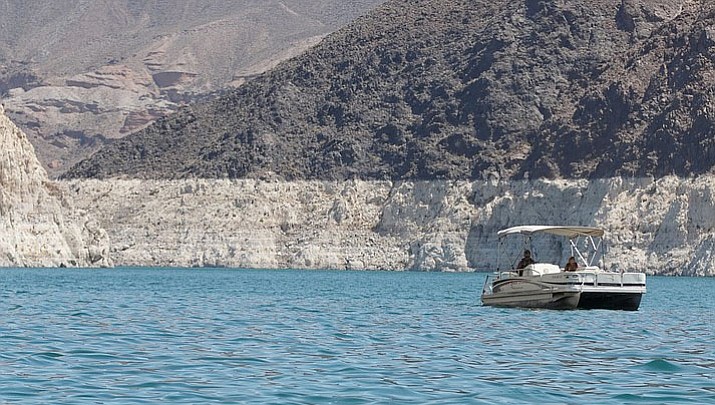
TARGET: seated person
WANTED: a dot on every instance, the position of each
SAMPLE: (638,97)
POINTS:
(571,265)
(526,260)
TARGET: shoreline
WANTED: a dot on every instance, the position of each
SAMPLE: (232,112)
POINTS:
(659,226)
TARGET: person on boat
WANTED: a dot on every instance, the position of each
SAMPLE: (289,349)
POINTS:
(526,260)
(571,265)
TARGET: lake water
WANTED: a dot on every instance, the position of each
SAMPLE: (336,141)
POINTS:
(135,336)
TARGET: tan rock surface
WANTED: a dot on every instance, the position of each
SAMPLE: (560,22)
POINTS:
(38,224)
(661,227)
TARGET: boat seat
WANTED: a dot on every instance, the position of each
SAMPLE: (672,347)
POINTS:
(539,269)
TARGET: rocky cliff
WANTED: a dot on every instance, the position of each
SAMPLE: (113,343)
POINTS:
(75,75)
(660,226)
(39,226)
(460,89)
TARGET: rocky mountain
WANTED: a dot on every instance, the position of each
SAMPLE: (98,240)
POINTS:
(460,89)
(409,138)
(39,226)
(75,75)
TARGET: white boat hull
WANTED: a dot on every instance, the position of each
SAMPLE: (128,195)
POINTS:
(590,289)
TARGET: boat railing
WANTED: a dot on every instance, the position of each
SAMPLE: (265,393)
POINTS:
(491,278)
(487,288)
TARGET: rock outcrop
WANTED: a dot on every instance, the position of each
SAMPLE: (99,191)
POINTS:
(39,227)
(660,226)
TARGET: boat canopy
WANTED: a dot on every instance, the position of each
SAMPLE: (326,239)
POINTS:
(567,231)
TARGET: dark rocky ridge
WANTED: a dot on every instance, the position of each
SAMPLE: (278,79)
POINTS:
(460,90)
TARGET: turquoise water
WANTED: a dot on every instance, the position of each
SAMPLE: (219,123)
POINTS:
(132,336)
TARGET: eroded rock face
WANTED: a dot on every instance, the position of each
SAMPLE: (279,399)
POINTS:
(663,226)
(76,116)
(39,227)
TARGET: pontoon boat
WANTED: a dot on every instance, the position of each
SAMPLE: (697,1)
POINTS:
(546,285)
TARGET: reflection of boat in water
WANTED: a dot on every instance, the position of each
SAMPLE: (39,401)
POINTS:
(544,285)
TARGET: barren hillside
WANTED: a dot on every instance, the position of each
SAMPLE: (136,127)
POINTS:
(460,89)
(75,74)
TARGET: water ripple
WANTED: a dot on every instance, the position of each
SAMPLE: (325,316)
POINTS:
(133,336)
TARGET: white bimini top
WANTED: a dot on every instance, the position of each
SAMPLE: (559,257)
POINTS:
(567,231)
